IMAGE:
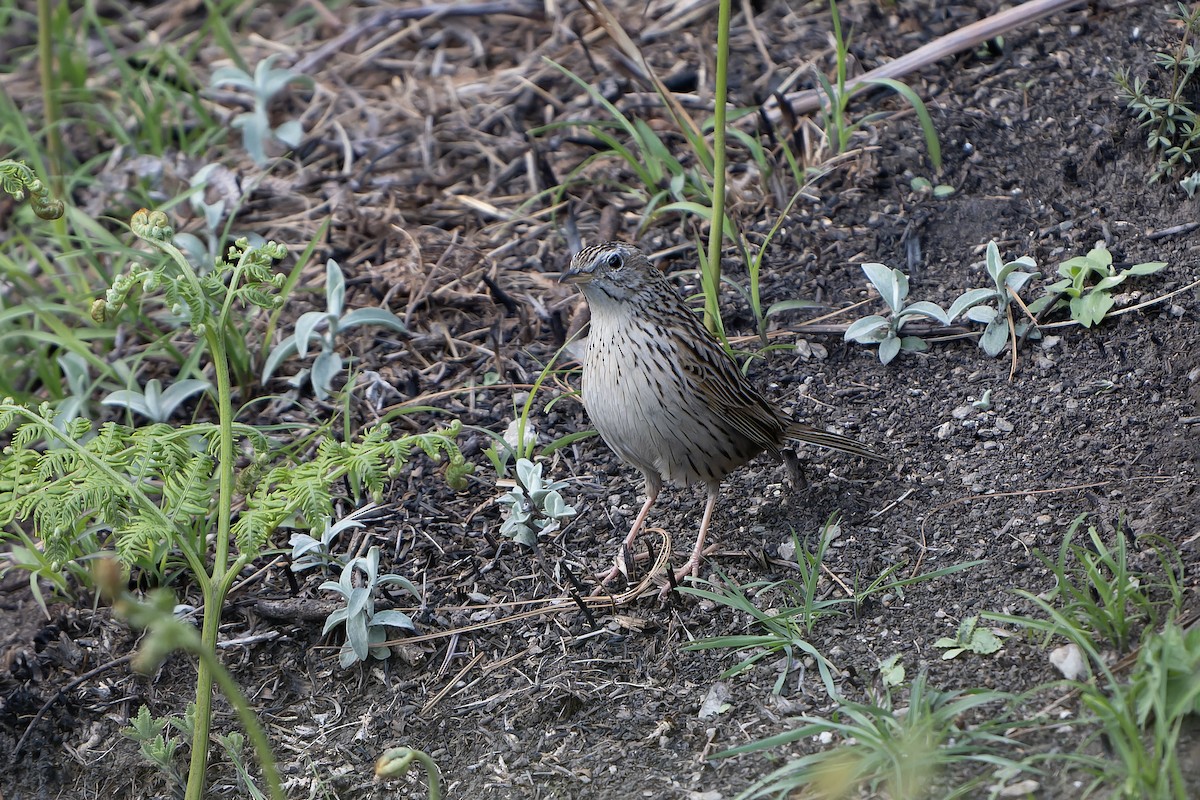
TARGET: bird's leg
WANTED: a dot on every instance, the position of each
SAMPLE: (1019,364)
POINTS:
(692,567)
(619,567)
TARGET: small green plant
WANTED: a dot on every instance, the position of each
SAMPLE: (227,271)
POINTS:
(922,185)
(888,750)
(1087,284)
(328,363)
(1170,121)
(534,507)
(1100,592)
(754,295)
(797,606)
(366,628)
(156,746)
(969,638)
(520,437)
(1139,720)
(835,117)
(155,404)
(664,178)
(255,125)
(994,307)
(234,745)
(887,332)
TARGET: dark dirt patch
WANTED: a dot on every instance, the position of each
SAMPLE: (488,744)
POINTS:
(1044,160)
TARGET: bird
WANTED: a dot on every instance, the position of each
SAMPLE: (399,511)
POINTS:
(664,394)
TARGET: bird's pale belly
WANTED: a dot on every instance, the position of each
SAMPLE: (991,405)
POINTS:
(652,418)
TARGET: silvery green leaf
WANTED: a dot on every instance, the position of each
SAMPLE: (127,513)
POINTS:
(982,314)
(967,299)
(995,336)
(127,398)
(334,586)
(914,344)
(359,600)
(177,392)
(526,536)
(306,327)
(1017,280)
(401,581)
(926,309)
(892,284)
(290,132)
(255,128)
(335,289)
(302,543)
(529,474)
(376,636)
(557,508)
(371,316)
(994,264)
(325,367)
(356,635)
(888,349)
(867,330)
(397,619)
(282,350)
(1148,268)
(346,656)
(334,619)
(231,76)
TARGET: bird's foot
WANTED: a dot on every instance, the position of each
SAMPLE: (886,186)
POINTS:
(609,577)
(691,568)
(620,567)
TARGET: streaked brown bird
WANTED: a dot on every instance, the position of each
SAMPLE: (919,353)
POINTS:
(664,394)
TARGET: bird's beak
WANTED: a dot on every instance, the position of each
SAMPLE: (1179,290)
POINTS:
(577,273)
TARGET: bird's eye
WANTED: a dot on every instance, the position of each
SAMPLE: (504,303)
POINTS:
(614,261)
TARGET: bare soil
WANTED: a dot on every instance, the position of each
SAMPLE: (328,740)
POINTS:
(416,147)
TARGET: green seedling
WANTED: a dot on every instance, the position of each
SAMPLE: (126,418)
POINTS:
(1170,120)
(969,637)
(1087,284)
(534,507)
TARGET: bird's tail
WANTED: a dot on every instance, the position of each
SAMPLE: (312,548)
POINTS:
(834,441)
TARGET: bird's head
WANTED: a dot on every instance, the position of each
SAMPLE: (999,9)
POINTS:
(613,270)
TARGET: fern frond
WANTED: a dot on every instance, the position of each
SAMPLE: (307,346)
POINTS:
(190,490)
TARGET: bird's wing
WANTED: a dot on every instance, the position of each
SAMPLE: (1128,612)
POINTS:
(723,388)
(730,394)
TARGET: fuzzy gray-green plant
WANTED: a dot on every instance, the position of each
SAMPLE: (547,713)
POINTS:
(993,306)
(535,507)
(888,332)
